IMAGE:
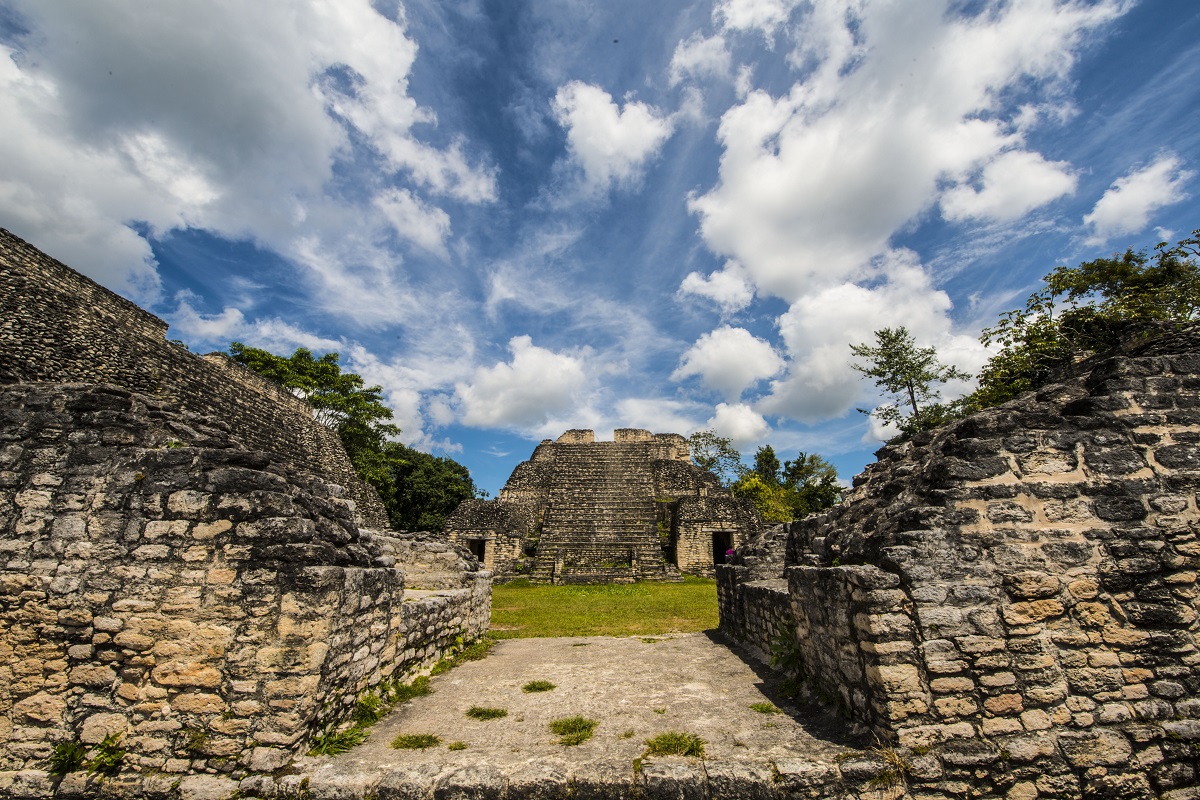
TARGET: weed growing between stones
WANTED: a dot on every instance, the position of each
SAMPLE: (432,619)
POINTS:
(787,657)
(484,713)
(675,743)
(537,686)
(627,734)
(194,739)
(573,730)
(397,692)
(659,710)
(462,653)
(333,743)
(764,708)
(457,746)
(67,757)
(415,741)
(107,756)
(369,708)
(896,771)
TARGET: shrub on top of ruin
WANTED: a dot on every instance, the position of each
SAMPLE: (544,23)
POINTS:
(1087,309)
(537,686)
(908,374)
(791,490)
(418,490)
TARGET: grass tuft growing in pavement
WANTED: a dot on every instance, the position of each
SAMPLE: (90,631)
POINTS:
(482,712)
(573,730)
(675,743)
(524,610)
(415,741)
(537,686)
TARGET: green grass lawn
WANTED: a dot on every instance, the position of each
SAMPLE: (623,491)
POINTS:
(523,610)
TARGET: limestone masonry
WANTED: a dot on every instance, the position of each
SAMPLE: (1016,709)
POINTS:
(1010,599)
(181,568)
(191,572)
(582,511)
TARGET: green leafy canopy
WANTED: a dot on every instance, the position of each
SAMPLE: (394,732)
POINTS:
(418,490)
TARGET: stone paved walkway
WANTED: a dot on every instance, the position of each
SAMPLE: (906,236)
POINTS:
(635,688)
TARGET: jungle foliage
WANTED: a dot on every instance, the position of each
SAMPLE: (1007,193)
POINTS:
(418,490)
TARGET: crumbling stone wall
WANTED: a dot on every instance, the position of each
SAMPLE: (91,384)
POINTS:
(582,511)
(56,325)
(1017,590)
(210,604)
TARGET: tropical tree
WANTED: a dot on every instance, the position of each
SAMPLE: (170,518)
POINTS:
(788,491)
(425,488)
(812,483)
(418,490)
(909,374)
(717,455)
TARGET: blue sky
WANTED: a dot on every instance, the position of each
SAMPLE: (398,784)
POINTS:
(523,217)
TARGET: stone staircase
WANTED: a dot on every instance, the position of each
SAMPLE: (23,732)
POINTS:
(601,523)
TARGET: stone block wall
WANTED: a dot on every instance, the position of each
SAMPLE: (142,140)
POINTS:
(56,325)
(209,604)
(1018,590)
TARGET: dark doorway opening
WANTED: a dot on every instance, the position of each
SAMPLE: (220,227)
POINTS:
(722,542)
(478,548)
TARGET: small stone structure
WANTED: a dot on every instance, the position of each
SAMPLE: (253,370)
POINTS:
(582,511)
(187,563)
(1012,597)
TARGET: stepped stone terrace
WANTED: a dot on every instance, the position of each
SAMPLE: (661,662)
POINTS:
(583,511)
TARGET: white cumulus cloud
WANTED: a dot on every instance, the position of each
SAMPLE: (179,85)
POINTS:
(729,287)
(761,15)
(738,422)
(1011,185)
(610,143)
(700,56)
(729,360)
(413,219)
(902,100)
(819,328)
(1127,205)
(526,393)
(223,116)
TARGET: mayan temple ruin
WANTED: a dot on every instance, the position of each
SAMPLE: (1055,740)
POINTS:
(194,580)
(583,511)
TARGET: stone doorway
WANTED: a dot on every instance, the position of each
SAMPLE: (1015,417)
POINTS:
(479,549)
(722,542)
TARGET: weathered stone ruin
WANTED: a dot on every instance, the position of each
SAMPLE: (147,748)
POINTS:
(582,511)
(188,564)
(1010,600)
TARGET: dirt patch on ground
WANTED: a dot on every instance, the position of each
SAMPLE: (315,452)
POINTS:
(634,688)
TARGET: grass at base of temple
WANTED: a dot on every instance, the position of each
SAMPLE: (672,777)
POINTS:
(524,610)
